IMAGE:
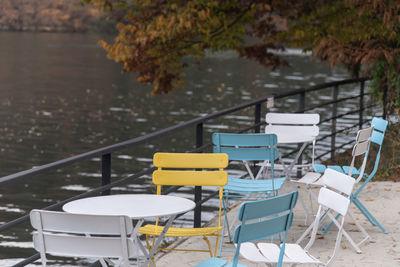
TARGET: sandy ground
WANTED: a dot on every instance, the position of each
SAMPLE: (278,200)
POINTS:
(381,198)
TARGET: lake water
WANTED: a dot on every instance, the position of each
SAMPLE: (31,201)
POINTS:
(60,96)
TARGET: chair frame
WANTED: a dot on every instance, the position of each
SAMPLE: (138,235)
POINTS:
(185,169)
(378,134)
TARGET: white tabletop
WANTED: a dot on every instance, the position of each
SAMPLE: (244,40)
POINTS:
(135,206)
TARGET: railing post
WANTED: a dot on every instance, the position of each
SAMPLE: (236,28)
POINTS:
(384,101)
(105,172)
(198,189)
(302,101)
(257,117)
(334,115)
(302,107)
(361,119)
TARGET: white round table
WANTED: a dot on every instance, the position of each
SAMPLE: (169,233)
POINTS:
(135,206)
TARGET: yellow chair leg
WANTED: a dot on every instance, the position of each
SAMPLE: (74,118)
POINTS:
(149,247)
(209,245)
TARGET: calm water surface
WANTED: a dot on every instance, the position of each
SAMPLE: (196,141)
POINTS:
(60,96)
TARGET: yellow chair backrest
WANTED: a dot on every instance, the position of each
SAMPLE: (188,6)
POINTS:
(177,169)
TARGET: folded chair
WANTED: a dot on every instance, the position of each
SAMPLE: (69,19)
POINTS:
(88,236)
(184,169)
(260,219)
(248,148)
(380,126)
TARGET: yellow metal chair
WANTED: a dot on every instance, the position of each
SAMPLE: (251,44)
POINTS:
(182,169)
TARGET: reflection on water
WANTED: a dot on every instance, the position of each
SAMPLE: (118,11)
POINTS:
(60,96)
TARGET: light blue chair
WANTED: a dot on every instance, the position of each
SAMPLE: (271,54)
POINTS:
(378,134)
(260,219)
(247,148)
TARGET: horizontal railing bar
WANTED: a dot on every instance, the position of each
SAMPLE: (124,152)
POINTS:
(332,102)
(326,136)
(336,148)
(335,83)
(339,131)
(336,132)
(344,114)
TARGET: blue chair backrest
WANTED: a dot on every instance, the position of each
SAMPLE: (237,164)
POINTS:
(276,216)
(378,134)
(246,146)
(380,126)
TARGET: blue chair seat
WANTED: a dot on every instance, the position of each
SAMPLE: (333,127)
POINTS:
(217,262)
(320,168)
(253,186)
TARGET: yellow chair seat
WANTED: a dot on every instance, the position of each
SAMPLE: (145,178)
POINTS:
(151,229)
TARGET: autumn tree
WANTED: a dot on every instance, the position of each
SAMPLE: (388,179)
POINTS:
(363,35)
(156,36)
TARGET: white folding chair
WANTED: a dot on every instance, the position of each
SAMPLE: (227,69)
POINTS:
(88,236)
(312,179)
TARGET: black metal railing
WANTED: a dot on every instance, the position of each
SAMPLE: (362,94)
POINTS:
(106,152)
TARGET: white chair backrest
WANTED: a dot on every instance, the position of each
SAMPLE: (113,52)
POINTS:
(64,234)
(338,181)
(292,118)
(333,200)
(304,124)
(364,134)
(63,222)
(363,141)
(360,148)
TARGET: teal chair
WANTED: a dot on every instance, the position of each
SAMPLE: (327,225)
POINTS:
(260,219)
(248,148)
(378,134)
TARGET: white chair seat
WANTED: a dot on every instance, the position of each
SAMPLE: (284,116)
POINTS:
(298,254)
(269,253)
(309,178)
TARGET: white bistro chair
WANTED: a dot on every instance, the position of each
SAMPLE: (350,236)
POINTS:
(87,236)
(294,128)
